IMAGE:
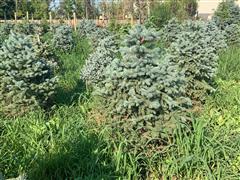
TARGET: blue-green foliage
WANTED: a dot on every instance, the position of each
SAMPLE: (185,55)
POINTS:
(227,13)
(26,80)
(28,28)
(88,28)
(196,49)
(5,31)
(209,31)
(232,34)
(63,38)
(227,18)
(46,51)
(170,31)
(143,88)
(102,56)
(215,35)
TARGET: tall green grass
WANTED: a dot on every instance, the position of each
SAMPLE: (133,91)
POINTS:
(229,64)
(70,85)
(67,143)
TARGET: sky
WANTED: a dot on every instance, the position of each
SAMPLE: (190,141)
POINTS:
(57,2)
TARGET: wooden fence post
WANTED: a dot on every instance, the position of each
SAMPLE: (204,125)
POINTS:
(50,17)
(148,9)
(132,21)
(15,17)
(75,21)
(27,16)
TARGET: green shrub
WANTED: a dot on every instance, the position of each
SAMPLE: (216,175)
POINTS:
(174,28)
(143,89)
(208,30)
(63,38)
(160,15)
(216,36)
(26,80)
(86,27)
(46,51)
(113,25)
(103,55)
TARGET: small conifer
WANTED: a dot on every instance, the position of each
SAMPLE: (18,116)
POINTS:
(26,80)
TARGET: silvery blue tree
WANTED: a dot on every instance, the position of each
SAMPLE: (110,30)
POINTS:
(63,38)
(102,56)
(143,89)
(26,80)
(89,29)
(196,51)
(227,13)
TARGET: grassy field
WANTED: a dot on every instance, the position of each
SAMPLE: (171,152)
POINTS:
(68,143)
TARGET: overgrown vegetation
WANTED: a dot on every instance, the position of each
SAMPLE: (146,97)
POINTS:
(72,144)
(163,105)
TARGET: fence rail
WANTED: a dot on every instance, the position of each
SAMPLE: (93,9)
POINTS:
(72,22)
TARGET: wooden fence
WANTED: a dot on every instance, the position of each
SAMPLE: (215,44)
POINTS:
(102,22)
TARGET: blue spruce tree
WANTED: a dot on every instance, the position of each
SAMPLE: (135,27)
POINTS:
(106,51)
(26,80)
(143,89)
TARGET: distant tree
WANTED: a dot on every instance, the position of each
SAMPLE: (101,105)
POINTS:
(37,8)
(89,9)
(128,7)
(7,8)
(141,10)
(79,9)
(82,8)
(161,12)
(40,8)
(67,7)
(191,7)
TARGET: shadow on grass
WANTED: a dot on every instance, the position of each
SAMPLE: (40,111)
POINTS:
(69,96)
(83,159)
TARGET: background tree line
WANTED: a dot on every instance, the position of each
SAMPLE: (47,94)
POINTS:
(118,9)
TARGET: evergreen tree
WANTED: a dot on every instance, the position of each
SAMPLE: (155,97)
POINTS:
(143,89)
(28,28)
(26,81)
(227,13)
(5,31)
(7,8)
(232,34)
(88,28)
(170,31)
(63,38)
(195,50)
(93,70)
